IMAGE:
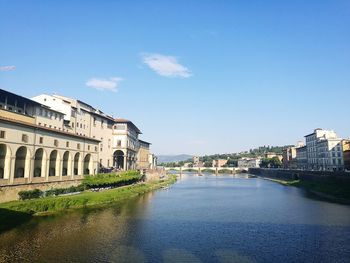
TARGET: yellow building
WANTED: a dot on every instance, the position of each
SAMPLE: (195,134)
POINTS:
(346,154)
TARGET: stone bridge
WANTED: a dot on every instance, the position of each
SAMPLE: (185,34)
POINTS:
(199,170)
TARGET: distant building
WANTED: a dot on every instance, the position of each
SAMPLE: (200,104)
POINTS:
(346,154)
(330,154)
(270,155)
(290,158)
(249,163)
(301,158)
(197,162)
(219,163)
(311,144)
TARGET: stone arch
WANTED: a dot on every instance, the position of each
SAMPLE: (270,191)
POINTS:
(39,169)
(22,163)
(5,161)
(118,159)
(88,164)
(66,164)
(54,163)
(77,166)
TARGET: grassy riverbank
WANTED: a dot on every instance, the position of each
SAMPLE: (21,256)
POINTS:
(329,189)
(16,212)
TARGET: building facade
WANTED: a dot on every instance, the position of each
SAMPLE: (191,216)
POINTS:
(346,154)
(311,144)
(54,138)
(219,163)
(126,144)
(143,156)
(34,147)
(301,157)
(82,119)
(249,163)
(330,154)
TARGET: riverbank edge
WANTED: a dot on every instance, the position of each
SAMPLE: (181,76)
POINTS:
(296,183)
(16,212)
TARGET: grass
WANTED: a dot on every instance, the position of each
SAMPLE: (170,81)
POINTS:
(47,205)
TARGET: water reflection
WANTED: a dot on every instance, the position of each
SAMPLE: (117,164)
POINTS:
(206,218)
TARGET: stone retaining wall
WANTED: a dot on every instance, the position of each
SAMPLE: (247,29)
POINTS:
(155,175)
(10,193)
(317,176)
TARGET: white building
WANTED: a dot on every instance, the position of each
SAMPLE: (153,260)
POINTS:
(249,163)
(311,145)
(84,120)
(330,154)
(125,144)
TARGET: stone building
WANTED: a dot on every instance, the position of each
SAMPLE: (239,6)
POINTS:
(330,154)
(346,154)
(301,157)
(125,144)
(143,156)
(290,158)
(311,144)
(219,163)
(249,162)
(82,119)
(34,146)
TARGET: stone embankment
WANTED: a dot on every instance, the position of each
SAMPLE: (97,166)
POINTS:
(333,186)
(291,175)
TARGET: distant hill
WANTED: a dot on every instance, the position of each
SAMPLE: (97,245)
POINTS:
(173,158)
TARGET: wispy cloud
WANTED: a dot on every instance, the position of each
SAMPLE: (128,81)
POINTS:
(166,66)
(110,84)
(7,68)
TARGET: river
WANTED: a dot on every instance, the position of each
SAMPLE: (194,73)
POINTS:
(207,218)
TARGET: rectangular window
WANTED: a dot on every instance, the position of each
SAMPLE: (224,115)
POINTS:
(2,134)
(24,138)
(119,143)
(88,147)
(41,140)
(95,148)
(55,142)
(120,127)
(67,144)
(78,146)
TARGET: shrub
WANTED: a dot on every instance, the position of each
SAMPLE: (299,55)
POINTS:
(60,191)
(112,180)
(31,194)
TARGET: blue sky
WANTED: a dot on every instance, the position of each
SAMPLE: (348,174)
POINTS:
(197,77)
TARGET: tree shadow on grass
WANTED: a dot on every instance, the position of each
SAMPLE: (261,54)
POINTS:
(10,219)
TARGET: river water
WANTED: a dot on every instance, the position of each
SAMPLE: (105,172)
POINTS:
(207,218)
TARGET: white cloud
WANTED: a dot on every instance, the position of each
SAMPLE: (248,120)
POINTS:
(7,68)
(110,84)
(166,66)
